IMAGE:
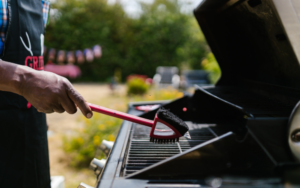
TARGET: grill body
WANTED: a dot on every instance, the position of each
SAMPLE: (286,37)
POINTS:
(236,142)
(239,128)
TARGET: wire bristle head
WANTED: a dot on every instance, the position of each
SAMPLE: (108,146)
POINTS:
(163,141)
(172,120)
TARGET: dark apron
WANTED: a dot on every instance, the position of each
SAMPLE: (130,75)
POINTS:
(24,160)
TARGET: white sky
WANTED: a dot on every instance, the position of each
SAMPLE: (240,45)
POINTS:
(133,8)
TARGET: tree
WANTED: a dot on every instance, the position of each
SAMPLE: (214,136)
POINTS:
(155,37)
(161,36)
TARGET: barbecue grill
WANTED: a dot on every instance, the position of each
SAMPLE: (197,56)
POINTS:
(240,127)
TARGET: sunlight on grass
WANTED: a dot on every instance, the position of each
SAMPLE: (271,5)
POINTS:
(156,95)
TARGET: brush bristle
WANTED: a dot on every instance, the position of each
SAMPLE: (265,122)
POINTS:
(173,120)
(163,141)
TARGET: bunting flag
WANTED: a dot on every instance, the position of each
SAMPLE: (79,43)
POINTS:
(97,51)
(71,57)
(79,57)
(61,56)
(89,56)
(51,54)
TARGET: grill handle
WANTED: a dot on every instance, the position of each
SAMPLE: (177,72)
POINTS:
(121,115)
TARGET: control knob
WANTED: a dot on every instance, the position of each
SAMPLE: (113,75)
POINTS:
(106,146)
(97,165)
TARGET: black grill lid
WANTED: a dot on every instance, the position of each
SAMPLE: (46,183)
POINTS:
(254,40)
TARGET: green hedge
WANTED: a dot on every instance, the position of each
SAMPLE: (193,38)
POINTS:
(137,86)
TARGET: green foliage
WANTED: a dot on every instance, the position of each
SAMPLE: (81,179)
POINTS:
(137,86)
(158,94)
(195,49)
(82,146)
(161,36)
(155,37)
(84,23)
(211,65)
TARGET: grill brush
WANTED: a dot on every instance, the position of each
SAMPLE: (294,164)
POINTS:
(165,128)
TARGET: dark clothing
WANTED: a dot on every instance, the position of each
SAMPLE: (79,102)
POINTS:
(24,160)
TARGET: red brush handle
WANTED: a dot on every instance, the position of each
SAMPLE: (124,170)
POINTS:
(121,115)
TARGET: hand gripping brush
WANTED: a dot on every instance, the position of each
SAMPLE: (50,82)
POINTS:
(165,128)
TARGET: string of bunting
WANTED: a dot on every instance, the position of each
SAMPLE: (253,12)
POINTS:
(72,57)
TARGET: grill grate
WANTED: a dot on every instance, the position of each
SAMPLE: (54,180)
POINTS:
(143,153)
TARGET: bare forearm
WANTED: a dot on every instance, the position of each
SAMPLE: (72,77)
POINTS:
(11,76)
(46,91)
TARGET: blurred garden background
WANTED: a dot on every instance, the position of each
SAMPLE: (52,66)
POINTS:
(162,34)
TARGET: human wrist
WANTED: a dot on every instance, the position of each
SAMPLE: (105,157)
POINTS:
(10,76)
(23,75)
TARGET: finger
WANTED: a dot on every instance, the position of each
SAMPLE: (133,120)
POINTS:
(80,102)
(48,111)
(59,109)
(69,106)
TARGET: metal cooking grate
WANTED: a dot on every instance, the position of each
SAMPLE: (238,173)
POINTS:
(142,153)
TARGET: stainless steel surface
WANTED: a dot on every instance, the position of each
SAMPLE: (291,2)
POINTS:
(179,147)
(106,146)
(187,135)
(97,165)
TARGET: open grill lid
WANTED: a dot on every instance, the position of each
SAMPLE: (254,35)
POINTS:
(254,41)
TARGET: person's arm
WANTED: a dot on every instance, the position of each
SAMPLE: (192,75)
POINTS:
(46,91)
